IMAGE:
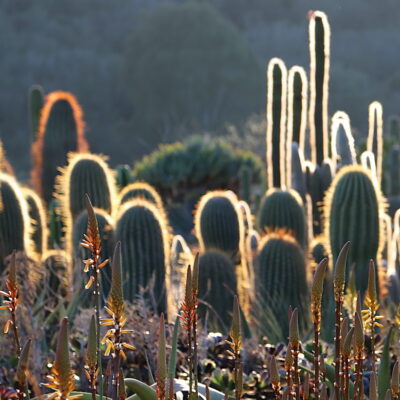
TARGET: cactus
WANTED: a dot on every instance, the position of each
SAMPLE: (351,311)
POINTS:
(140,190)
(319,40)
(297,107)
(56,226)
(142,228)
(281,276)
(36,101)
(352,210)
(375,135)
(37,214)
(276,123)
(283,209)
(14,219)
(61,130)
(123,176)
(245,179)
(343,152)
(217,288)
(298,173)
(106,229)
(219,223)
(318,250)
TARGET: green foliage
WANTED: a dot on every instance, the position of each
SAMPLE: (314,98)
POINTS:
(36,101)
(123,176)
(282,209)
(217,288)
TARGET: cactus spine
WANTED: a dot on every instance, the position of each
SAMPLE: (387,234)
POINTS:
(37,214)
(276,123)
(14,219)
(375,135)
(36,101)
(142,228)
(140,190)
(61,130)
(352,210)
(319,38)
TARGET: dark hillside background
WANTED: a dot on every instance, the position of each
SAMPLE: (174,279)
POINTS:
(151,71)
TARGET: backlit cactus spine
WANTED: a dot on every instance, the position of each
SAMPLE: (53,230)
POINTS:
(142,228)
(375,135)
(276,123)
(352,210)
(38,222)
(61,130)
(36,102)
(319,41)
(140,190)
(14,219)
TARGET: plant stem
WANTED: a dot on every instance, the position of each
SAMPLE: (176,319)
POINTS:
(296,376)
(338,322)
(15,330)
(96,297)
(190,357)
(346,377)
(196,389)
(316,356)
(358,374)
(117,362)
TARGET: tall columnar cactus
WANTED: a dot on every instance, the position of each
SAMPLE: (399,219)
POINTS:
(217,288)
(139,190)
(219,223)
(394,128)
(297,107)
(123,176)
(37,214)
(142,228)
(61,130)
(276,123)
(298,172)
(343,152)
(319,40)
(14,219)
(36,102)
(56,225)
(282,277)
(352,210)
(245,178)
(107,235)
(375,135)
(282,209)
(394,170)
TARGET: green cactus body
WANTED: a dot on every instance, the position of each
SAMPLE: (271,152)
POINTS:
(276,124)
(298,173)
(36,102)
(38,222)
(107,235)
(142,229)
(219,223)
(140,190)
(281,277)
(14,219)
(245,179)
(56,225)
(61,130)
(217,288)
(282,209)
(352,210)
(123,176)
(319,38)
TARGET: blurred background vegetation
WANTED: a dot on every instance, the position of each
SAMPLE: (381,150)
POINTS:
(156,71)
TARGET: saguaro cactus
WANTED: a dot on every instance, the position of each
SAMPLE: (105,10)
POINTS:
(140,190)
(36,102)
(375,135)
(61,130)
(319,40)
(142,228)
(276,123)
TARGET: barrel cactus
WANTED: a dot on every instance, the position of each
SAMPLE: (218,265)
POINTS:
(282,277)
(140,190)
(283,209)
(61,130)
(36,102)
(14,219)
(142,228)
(352,210)
(217,288)
(37,214)
(219,223)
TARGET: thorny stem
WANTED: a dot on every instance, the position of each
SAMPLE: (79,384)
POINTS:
(338,323)
(96,298)
(116,361)
(346,377)
(15,330)
(316,354)
(358,373)
(190,355)
(296,375)
(194,363)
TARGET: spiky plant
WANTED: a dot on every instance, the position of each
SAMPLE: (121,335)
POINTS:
(91,359)
(38,222)
(36,102)
(140,190)
(276,123)
(143,229)
(352,202)
(123,176)
(14,219)
(294,340)
(375,135)
(61,130)
(319,42)
(283,209)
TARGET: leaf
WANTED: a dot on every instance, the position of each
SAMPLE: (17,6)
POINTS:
(339,277)
(174,350)
(384,367)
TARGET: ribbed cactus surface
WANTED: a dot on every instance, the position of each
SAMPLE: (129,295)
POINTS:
(217,288)
(352,209)
(282,209)
(281,277)
(142,229)
(219,223)
(140,190)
